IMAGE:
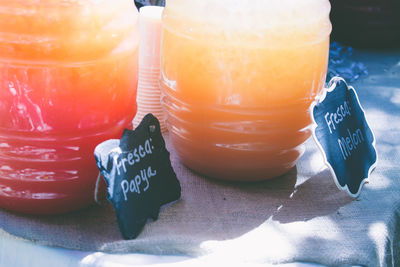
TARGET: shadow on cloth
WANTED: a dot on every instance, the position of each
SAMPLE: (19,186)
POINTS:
(317,196)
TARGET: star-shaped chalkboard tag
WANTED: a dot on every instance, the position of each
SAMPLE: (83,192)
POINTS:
(139,175)
(343,135)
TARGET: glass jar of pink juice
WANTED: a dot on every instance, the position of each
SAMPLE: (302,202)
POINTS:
(68,77)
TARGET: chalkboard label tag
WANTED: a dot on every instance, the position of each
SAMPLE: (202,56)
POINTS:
(343,135)
(139,175)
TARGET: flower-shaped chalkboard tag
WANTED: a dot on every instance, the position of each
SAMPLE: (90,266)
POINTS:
(139,175)
(343,135)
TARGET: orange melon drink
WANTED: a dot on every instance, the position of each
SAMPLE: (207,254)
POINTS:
(68,77)
(237,80)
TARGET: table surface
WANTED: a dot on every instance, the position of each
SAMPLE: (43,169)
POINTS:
(313,223)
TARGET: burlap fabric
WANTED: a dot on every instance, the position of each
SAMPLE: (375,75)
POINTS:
(301,216)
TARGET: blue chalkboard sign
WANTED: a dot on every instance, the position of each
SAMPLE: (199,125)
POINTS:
(344,136)
(139,175)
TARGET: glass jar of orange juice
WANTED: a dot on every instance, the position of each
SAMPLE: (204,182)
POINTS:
(237,80)
(68,76)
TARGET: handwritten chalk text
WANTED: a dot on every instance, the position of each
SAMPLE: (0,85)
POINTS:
(335,118)
(135,156)
(135,184)
(350,142)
